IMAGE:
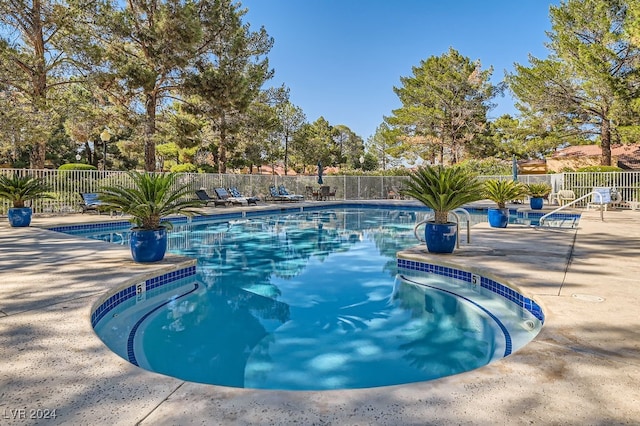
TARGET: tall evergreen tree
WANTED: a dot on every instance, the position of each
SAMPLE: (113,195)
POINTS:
(228,80)
(145,45)
(34,62)
(585,83)
(444,105)
(291,118)
(349,146)
(385,147)
(314,143)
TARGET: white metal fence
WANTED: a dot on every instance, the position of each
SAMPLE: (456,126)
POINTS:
(66,185)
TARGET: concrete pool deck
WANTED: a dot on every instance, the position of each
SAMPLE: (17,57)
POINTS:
(583,368)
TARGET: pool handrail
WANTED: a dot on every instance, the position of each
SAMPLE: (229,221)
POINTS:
(454,213)
(597,194)
(468,216)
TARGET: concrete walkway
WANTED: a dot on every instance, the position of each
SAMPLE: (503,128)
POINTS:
(582,369)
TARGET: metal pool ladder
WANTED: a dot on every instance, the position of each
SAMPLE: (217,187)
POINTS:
(455,214)
(597,194)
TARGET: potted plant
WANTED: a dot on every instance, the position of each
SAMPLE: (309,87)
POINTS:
(149,200)
(501,192)
(538,192)
(442,189)
(18,190)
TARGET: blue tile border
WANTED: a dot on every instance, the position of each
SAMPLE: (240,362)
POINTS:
(109,226)
(103,226)
(491,285)
(508,343)
(131,355)
(131,291)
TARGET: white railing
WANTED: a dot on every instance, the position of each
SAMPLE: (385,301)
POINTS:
(66,185)
(595,194)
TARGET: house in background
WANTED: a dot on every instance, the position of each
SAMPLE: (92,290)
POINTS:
(532,167)
(627,157)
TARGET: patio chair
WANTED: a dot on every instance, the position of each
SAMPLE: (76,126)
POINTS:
(324,193)
(204,197)
(565,196)
(236,194)
(393,193)
(91,203)
(310,193)
(332,193)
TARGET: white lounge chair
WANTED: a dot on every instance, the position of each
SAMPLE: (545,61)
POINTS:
(600,199)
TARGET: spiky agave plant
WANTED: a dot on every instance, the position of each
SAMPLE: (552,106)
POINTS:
(503,191)
(19,189)
(538,190)
(151,198)
(443,189)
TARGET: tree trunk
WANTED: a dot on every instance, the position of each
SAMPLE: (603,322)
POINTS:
(38,155)
(149,131)
(286,153)
(88,153)
(39,81)
(605,140)
(222,149)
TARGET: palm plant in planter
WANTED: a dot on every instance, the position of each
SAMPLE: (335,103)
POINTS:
(150,199)
(537,192)
(442,189)
(18,190)
(501,192)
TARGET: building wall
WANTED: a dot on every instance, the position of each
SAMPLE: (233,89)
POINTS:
(558,165)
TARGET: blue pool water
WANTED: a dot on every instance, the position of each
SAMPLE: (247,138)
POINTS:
(310,301)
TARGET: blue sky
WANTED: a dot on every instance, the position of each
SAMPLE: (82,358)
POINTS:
(342,58)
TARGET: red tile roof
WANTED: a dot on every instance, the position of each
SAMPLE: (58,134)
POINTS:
(596,150)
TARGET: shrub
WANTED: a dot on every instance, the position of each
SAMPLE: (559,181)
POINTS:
(184,168)
(599,169)
(538,190)
(443,189)
(503,191)
(488,166)
(77,166)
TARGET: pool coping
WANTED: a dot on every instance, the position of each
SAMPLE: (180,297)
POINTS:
(583,367)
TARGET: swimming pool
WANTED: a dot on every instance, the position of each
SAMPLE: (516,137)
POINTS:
(310,300)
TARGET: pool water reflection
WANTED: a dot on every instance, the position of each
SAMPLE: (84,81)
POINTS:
(307,301)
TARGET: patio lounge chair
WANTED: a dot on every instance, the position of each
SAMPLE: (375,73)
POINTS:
(224,195)
(236,194)
(91,202)
(294,197)
(203,196)
(274,195)
(600,199)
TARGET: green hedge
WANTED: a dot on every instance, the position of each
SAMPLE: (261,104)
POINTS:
(599,169)
(77,166)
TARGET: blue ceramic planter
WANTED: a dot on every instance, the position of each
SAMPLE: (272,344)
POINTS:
(498,218)
(536,203)
(19,216)
(148,245)
(441,238)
